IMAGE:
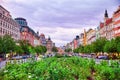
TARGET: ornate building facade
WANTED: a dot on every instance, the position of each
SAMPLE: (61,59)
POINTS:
(8,25)
(116,22)
(43,39)
(26,33)
(49,45)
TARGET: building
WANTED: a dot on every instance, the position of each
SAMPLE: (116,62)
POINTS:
(116,22)
(103,30)
(76,42)
(60,50)
(26,33)
(91,36)
(84,38)
(43,39)
(37,40)
(8,25)
(97,32)
(81,38)
(49,45)
(106,27)
(109,29)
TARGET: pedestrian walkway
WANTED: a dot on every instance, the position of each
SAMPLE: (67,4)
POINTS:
(3,63)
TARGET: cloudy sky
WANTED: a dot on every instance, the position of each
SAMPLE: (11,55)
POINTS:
(62,20)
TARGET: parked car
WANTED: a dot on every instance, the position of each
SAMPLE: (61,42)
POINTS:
(24,57)
(102,57)
(16,57)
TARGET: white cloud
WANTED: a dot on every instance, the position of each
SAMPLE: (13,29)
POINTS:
(61,35)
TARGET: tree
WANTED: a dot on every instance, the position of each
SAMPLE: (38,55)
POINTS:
(76,50)
(31,49)
(25,46)
(87,49)
(18,49)
(81,49)
(98,45)
(54,49)
(7,45)
(110,46)
(44,49)
(68,50)
(117,41)
(40,49)
(1,43)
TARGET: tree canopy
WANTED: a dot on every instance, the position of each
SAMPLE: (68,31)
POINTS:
(7,44)
(54,49)
(101,45)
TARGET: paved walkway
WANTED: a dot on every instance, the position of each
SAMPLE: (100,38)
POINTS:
(3,63)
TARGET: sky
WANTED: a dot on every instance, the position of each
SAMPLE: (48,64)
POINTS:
(62,20)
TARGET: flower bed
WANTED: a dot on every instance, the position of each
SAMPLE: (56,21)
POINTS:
(70,68)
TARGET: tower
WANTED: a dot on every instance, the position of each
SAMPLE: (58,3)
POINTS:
(49,45)
(106,15)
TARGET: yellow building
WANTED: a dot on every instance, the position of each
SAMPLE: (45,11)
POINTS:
(84,38)
(90,36)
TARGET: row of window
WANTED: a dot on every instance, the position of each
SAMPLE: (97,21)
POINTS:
(117,25)
(4,31)
(116,19)
(117,31)
(9,26)
(9,20)
(22,23)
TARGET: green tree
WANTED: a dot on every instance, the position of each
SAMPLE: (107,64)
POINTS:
(87,49)
(1,43)
(44,49)
(40,49)
(25,46)
(98,45)
(68,50)
(31,49)
(81,49)
(76,50)
(7,45)
(110,46)
(54,49)
(18,49)
(117,41)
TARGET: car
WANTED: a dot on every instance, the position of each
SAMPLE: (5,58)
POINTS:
(16,57)
(102,57)
(24,57)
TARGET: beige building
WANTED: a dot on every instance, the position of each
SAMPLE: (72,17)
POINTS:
(91,36)
(8,25)
(109,29)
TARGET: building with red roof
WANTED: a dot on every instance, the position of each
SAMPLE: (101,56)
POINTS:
(116,22)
